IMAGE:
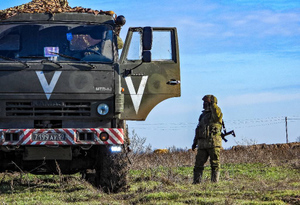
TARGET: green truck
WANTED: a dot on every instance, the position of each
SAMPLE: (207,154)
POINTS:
(66,91)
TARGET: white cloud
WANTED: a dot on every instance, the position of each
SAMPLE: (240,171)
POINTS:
(224,22)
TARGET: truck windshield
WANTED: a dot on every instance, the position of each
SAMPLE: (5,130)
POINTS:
(29,42)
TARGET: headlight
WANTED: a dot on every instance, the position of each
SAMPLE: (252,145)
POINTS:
(102,109)
(116,148)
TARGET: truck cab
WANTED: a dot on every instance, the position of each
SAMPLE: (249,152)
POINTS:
(65,92)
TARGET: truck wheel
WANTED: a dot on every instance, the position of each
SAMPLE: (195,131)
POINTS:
(111,172)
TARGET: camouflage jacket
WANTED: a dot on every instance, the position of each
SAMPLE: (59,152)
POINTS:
(208,131)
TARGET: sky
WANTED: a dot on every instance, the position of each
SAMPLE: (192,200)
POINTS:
(245,52)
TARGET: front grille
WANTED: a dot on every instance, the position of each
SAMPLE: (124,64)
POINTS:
(86,136)
(61,109)
(11,136)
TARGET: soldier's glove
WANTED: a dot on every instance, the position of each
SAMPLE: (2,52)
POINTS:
(194,146)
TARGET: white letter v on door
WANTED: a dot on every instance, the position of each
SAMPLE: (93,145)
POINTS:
(136,97)
(48,88)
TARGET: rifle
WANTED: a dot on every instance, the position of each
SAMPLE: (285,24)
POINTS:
(223,135)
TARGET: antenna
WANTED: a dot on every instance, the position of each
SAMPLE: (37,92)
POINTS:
(286,131)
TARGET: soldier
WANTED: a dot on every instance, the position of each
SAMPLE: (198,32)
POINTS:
(208,138)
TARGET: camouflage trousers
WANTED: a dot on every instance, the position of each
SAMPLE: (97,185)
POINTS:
(202,157)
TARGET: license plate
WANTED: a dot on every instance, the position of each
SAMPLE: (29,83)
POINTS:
(48,137)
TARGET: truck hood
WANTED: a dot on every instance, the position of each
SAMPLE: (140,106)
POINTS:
(47,82)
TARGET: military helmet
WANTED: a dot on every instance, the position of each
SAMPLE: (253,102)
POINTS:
(210,99)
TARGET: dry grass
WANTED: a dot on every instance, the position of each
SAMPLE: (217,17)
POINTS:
(260,174)
(275,154)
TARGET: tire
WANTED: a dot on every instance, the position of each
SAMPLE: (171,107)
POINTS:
(111,172)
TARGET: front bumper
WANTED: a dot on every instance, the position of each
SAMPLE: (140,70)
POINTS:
(63,136)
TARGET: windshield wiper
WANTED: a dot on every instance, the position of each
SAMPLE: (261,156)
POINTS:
(51,61)
(65,56)
(62,55)
(73,58)
(45,59)
(15,60)
(36,57)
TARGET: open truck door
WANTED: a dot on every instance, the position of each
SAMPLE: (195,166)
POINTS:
(149,69)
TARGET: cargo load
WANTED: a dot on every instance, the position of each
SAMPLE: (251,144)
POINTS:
(48,6)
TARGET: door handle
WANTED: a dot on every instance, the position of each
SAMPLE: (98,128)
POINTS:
(173,82)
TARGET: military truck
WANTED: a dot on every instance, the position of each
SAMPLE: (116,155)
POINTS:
(66,93)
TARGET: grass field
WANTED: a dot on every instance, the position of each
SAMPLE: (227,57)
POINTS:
(167,179)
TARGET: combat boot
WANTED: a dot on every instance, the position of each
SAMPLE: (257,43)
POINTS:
(197,177)
(215,176)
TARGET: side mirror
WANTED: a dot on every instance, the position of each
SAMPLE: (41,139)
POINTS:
(147,38)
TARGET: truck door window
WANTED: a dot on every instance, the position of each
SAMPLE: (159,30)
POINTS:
(135,49)
(161,46)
